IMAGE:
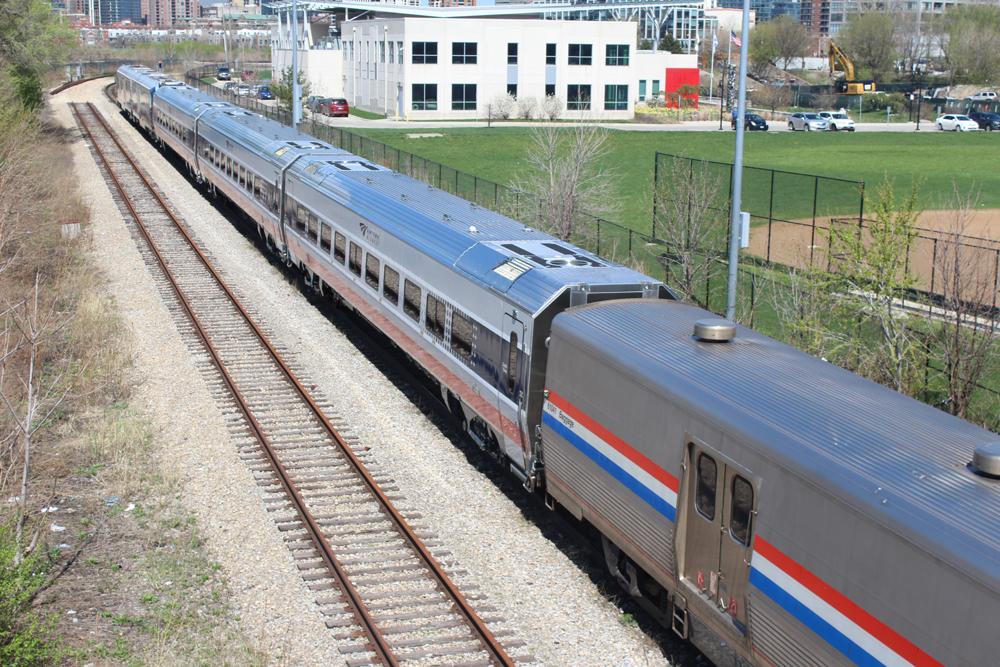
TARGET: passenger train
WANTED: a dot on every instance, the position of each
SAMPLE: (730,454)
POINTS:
(770,507)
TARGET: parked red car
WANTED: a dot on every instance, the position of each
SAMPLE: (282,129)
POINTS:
(337,107)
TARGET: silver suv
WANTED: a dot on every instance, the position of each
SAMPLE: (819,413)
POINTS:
(807,121)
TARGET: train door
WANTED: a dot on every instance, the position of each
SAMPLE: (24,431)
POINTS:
(720,501)
(511,381)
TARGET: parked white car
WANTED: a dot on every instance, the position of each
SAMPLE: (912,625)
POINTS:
(838,120)
(954,121)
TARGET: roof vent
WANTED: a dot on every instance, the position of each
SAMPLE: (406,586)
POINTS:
(986,459)
(714,330)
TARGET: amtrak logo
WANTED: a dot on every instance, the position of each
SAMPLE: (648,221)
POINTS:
(370,235)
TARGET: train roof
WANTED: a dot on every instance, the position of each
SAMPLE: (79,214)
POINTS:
(900,461)
(491,249)
(527,265)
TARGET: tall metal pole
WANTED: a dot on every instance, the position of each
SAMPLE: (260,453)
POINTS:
(296,88)
(734,232)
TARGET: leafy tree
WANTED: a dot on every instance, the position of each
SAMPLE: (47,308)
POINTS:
(869,41)
(778,42)
(670,44)
(970,39)
(281,88)
(870,272)
(645,45)
(32,40)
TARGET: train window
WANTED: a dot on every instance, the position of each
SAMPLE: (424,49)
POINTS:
(339,245)
(739,521)
(371,271)
(411,300)
(434,318)
(249,181)
(324,236)
(512,364)
(390,285)
(243,176)
(313,228)
(355,262)
(229,166)
(707,478)
(257,192)
(300,218)
(461,335)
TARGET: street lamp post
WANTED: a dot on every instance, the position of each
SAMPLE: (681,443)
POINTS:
(296,88)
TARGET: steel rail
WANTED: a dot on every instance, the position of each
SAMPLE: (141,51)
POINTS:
(491,645)
(378,643)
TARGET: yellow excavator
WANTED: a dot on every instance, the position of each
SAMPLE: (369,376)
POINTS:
(839,62)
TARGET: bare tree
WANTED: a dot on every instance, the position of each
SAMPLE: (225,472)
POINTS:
(965,336)
(691,212)
(770,96)
(526,107)
(567,180)
(552,107)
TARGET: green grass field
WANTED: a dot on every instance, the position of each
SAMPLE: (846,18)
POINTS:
(935,158)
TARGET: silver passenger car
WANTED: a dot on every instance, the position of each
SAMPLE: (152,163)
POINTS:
(807,121)
(774,508)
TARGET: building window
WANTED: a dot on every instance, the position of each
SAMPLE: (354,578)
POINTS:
(616,98)
(550,89)
(512,89)
(578,98)
(425,96)
(642,90)
(463,53)
(425,53)
(392,51)
(352,51)
(511,53)
(617,55)
(550,54)
(382,50)
(580,54)
(656,86)
(463,96)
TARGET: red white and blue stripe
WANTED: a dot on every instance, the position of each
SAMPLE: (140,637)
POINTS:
(631,468)
(859,636)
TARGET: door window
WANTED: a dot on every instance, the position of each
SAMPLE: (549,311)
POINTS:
(739,520)
(707,479)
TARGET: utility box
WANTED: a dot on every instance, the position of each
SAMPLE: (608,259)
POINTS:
(744,229)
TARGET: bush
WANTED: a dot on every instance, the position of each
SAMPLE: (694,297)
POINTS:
(526,107)
(552,107)
(24,640)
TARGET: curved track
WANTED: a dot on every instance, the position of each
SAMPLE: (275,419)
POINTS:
(381,581)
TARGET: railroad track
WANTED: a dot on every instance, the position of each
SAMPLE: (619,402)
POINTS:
(379,583)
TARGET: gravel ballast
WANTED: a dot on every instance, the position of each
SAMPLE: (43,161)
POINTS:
(547,598)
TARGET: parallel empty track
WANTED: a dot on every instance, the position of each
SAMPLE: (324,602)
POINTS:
(382,590)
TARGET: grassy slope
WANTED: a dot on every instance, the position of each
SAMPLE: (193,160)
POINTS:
(936,157)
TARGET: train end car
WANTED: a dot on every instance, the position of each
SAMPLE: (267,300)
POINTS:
(771,507)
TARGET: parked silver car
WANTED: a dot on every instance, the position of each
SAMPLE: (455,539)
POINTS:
(807,121)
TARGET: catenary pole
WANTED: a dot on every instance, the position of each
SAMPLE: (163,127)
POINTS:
(296,89)
(734,232)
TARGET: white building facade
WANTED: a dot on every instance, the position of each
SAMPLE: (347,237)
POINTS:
(414,68)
